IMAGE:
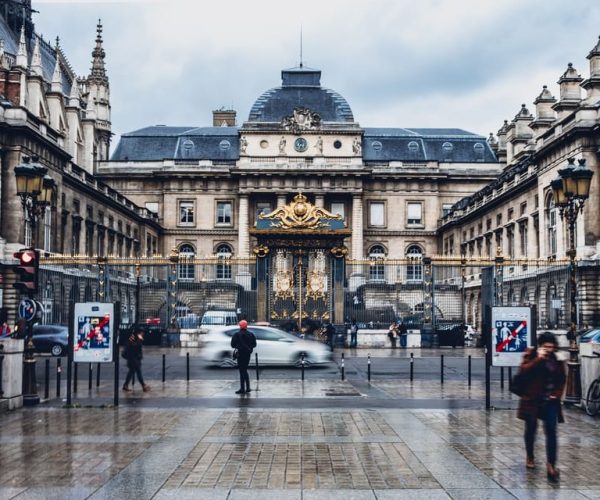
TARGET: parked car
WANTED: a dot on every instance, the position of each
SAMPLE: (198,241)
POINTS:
(273,346)
(219,318)
(590,336)
(51,338)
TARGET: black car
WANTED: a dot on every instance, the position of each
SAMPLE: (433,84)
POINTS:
(51,338)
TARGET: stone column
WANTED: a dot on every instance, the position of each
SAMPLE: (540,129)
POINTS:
(357,227)
(320,201)
(281,198)
(243,233)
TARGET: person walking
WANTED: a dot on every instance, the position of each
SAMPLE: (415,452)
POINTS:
(393,334)
(133,354)
(330,333)
(353,333)
(544,381)
(245,342)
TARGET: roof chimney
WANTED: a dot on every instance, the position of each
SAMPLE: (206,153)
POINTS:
(224,118)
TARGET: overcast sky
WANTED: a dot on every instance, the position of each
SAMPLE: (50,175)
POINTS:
(399,63)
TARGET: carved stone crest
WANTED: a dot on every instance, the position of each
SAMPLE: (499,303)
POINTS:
(301,119)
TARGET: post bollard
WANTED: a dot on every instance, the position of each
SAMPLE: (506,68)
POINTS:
(256,363)
(187,366)
(98,365)
(343,374)
(502,377)
(90,376)
(74,377)
(442,369)
(58,372)
(369,366)
(164,367)
(302,366)
(47,381)
(412,366)
(509,377)
(469,370)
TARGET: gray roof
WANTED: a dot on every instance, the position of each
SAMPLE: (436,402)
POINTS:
(301,87)
(175,143)
(420,145)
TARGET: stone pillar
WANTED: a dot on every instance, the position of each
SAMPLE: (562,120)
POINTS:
(281,198)
(243,233)
(320,201)
(357,227)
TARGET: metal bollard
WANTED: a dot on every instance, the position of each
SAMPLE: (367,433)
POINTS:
(74,377)
(47,381)
(412,366)
(90,376)
(509,377)
(442,369)
(369,366)
(98,365)
(187,366)
(164,367)
(343,371)
(302,366)
(58,372)
(256,363)
(469,370)
(502,377)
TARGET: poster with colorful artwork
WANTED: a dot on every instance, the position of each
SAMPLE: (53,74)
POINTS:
(511,335)
(93,333)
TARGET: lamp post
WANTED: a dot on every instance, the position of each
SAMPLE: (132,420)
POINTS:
(36,189)
(570,189)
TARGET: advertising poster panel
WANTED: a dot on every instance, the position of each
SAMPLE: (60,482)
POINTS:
(512,334)
(93,332)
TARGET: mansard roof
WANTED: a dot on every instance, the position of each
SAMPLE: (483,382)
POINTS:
(171,143)
(300,87)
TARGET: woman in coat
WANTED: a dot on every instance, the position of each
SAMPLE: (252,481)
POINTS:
(133,354)
(545,381)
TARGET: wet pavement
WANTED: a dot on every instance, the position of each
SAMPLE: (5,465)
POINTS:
(321,438)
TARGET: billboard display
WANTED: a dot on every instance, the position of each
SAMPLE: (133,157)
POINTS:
(93,330)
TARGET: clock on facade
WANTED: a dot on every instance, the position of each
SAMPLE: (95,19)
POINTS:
(300,144)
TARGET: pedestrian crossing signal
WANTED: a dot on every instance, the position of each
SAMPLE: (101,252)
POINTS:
(27,271)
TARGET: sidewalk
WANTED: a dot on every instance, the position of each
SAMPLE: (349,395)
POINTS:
(328,439)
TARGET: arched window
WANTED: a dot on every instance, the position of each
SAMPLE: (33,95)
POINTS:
(47,302)
(376,268)
(551,221)
(224,270)
(414,270)
(185,271)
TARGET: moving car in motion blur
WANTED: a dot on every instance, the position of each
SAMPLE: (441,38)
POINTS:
(273,346)
(51,338)
(589,336)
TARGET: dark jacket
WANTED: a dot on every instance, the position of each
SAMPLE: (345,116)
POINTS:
(244,341)
(133,354)
(533,367)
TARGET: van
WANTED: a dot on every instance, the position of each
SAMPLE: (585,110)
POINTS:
(219,318)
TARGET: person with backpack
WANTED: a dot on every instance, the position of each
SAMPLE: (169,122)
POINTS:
(244,343)
(133,354)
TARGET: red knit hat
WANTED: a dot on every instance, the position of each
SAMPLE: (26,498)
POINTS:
(243,324)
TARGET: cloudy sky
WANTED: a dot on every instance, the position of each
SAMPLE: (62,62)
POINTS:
(399,63)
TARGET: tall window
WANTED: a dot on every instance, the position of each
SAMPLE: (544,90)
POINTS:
(414,270)
(376,268)
(414,214)
(551,227)
(523,235)
(510,239)
(186,212)
(225,213)
(377,214)
(262,207)
(185,271)
(339,208)
(446,208)
(224,269)
(47,229)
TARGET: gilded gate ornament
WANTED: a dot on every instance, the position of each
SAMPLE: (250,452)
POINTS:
(316,279)
(261,250)
(300,214)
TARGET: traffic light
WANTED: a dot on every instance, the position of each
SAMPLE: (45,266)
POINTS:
(27,271)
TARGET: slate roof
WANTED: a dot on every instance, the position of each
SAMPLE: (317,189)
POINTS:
(300,87)
(173,143)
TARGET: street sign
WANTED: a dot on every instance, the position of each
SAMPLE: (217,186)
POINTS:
(27,309)
(94,326)
(512,334)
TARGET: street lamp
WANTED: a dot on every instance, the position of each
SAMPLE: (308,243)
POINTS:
(571,188)
(36,189)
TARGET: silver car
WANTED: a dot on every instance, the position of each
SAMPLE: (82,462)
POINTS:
(273,346)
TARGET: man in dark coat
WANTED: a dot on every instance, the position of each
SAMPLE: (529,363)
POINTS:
(133,354)
(330,333)
(245,342)
(545,382)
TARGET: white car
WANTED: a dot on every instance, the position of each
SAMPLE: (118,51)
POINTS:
(273,346)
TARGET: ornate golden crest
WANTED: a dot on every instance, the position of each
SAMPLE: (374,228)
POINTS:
(284,285)
(300,214)
(261,250)
(339,252)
